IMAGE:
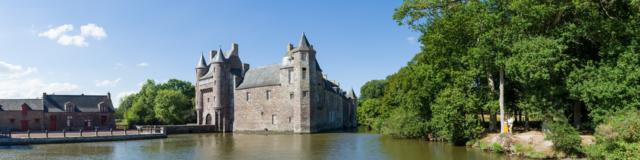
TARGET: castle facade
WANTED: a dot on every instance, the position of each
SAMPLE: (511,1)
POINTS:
(291,96)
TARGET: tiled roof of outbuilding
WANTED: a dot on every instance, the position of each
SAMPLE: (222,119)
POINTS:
(83,103)
(16,104)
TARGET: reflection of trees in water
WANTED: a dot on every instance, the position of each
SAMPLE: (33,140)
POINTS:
(422,149)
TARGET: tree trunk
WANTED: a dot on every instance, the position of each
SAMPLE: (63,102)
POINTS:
(577,115)
(501,100)
(526,121)
(482,115)
(492,124)
(492,116)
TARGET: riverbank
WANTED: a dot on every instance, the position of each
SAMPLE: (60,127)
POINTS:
(531,144)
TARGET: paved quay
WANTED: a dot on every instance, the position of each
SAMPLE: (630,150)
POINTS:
(24,138)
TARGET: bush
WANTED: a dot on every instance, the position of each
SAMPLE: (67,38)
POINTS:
(405,123)
(495,147)
(564,137)
(618,137)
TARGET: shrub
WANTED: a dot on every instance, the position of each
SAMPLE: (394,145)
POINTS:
(497,148)
(618,137)
(564,137)
(405,123)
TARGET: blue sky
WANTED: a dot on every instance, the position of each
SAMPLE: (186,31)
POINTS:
(113,46)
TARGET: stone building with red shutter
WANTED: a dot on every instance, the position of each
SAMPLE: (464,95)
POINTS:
(57,112)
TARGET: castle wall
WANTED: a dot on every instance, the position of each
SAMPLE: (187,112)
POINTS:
(260,113)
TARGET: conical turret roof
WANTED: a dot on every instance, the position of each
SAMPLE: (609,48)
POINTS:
(219,57)
(201,63)
(304,43)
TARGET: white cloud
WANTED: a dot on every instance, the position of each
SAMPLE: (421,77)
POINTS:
(10,71)
(92,30)
(66,40)
(119,66)
(14,83)
(108,83)
(143,64)
(121,95)
(54,33)
(412,40)
(80,40)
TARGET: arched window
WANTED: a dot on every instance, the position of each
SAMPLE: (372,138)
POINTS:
(69,107)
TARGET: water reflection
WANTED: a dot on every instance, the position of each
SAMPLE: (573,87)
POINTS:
(251,146)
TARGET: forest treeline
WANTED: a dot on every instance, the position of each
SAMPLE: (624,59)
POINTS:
(572,65)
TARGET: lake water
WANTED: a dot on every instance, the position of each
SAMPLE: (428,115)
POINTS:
(349,146)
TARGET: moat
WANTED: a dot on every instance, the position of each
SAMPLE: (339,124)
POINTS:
(251,146)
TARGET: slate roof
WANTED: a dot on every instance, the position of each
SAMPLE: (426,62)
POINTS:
(201,63)
(16,104)
(84,103)
(351,94)
(219,57)
(263,76)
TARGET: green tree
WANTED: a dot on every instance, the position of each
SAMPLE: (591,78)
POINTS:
(172,107)
(125,104)
(372,89)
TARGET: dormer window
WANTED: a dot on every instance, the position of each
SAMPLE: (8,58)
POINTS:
(69,107)
(24,109)
(103,107)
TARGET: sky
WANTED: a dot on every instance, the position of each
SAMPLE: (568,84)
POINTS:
(95,47)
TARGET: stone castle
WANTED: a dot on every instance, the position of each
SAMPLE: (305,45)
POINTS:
(292,96)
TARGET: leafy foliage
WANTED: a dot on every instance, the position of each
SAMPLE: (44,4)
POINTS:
(570,57)
(564,137)
(172,107)
(166,103)
(618,137)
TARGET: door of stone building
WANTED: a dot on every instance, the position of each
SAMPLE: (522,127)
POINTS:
(208,120)
(24,125)
(53,123)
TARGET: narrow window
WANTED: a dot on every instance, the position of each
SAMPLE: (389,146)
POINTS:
(289,119)
(208,100)
(304,56)
(290,72)
(291,95)
(305,93)
(214,99)
(304,73)
(273,119)
(247,97)
(268,94)
(215,82)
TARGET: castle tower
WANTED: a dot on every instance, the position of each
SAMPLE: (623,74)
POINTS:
(201,70)
(297,76)
(352,109)
(214,91)
(220,69)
